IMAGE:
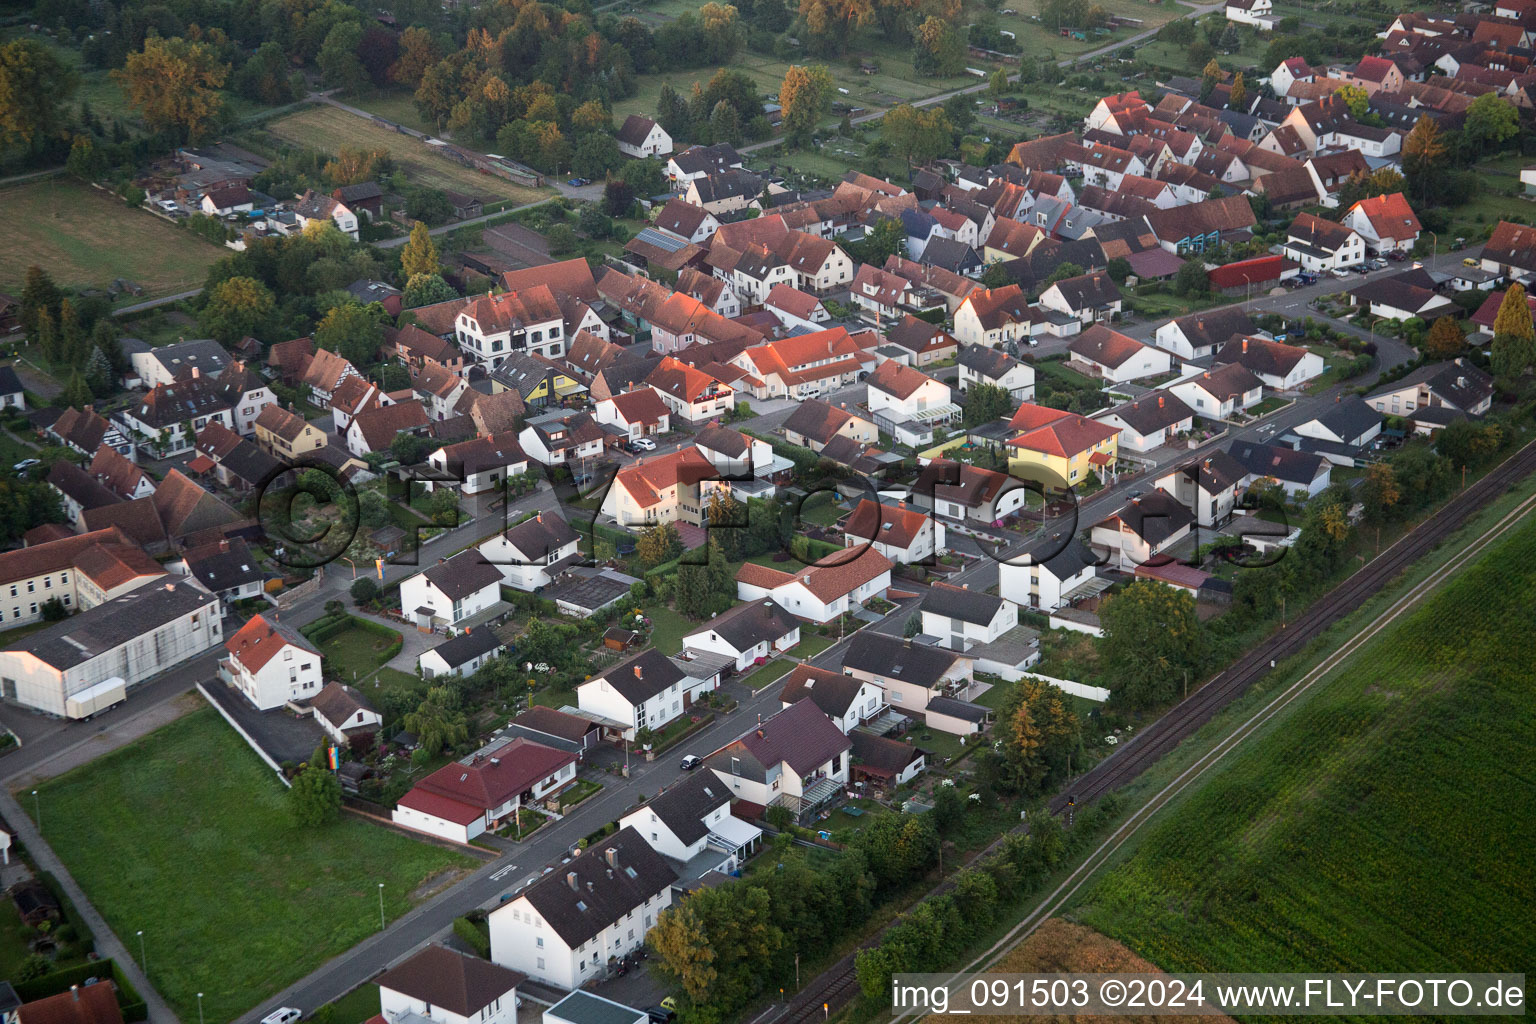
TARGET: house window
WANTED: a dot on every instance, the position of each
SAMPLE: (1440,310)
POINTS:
(541,964)
(539,942)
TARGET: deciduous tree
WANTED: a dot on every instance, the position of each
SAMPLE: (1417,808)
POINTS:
(426,289)
(917,136)
(353,331)
(1491,122)
(985,403)
(419,254)
(804,97)
(1445,340)
(437,721)
(1152,638)
(33,82)
(1514,342)
(314,799)
(174,84)
(237,307)
(418,52)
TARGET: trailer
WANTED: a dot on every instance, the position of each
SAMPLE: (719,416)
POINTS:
(95,699)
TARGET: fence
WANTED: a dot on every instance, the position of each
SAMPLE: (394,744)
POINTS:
(293,595)
(249,740)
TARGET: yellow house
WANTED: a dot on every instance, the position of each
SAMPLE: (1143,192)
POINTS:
(1060,449)
(537,382)
(287,434)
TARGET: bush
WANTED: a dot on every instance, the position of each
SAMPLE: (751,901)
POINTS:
(475,934)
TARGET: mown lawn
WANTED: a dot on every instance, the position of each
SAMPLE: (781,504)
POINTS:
(186,835)
(354,653)
(1382,823)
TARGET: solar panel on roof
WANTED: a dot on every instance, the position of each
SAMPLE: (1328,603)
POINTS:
(667,243)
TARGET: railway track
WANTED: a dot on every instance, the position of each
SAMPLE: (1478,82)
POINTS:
(834,988)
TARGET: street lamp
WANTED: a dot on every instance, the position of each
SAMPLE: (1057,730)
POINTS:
(37,813)
(143,962)
(381,906)
(199,1008)
(1434,249)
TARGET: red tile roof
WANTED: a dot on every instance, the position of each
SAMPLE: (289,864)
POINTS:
(1390,216)
(1065,437)
(258,641)
(645,479)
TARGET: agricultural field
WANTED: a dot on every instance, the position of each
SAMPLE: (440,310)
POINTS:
(327,129)
(1039,40)
(1380,825)
(86,238)
(186,835)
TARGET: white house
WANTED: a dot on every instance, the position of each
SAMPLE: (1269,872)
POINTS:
(922,681)
(1351,422)
(1456,387)
(1141,529)
(1218,393)
(691,817)
(638,413)
(528,321)
(905,392)
(904,535)
(344,713)
(748,633)
(1208,487)
(734,455)
(842,698)
(641,137)
(481,464)
(1089,297)
(451,591)
(447,987)
(1279,366)
(1258,13)
(1149,422)
(963,618)
(272,664)
(982,365)
(1049,574)
(1117,358)
(796,759)
(820,593)
(465,798)
(317,206)
(531,554)
(647,691)
(564,928)
(123,641)
(1200,334)
(1386,222)
(1300,474)
(462,655)
(1322,245)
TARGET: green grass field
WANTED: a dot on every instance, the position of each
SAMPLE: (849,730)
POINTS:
(1379,826)
(355,653)
(186,835)
(86,238)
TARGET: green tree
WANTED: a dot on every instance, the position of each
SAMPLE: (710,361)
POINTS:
(985,403)
(444,506)
(237,307)
(1036,733)
(1491,122)
(804,97)
(1423,156)
(364,590)
(1152,639)
(917,136)
(352,331)
(85,161)
(419,254)
(338,61)
(1239,96)
(562,240)
(33,84)
(408,449)
(940,48)
(77,392)
(1210,78)
(1190,279)
(425,290)
(174,84)
(998,84)
(1469,445)
(659,544)
(314,799)
(38,295)
(71,340)
(1064,271)
(1380,492)
(1514,342)
(437,721)
(98,374)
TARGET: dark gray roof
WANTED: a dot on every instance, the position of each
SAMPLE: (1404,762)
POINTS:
(1156,516)
(10,384)
(832,692)
(748,625)
(1214,327)
(642,677)
(800,736)
(1063,557)
(599,886)
(882,752)
(100,629)
(582,1007)
(950,254)
(988,362)
(338,702)
(1349,417)
(1457,383)
(961,709)
(224,569)
(895,658)
(78,485)
(204,353)
(1153,411)
(465,573)
(974,606)
(467,646)
(724,440)
(251,463)
(1285,464)
(542,535)
(1216,472)
(708,159)
(684,807)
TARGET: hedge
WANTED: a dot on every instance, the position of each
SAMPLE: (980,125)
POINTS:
(475,935)
(84,937)
(128,998)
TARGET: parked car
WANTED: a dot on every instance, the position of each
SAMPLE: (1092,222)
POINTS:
(660,1014)
(645,444)
(1470,261)
(1340,273)
(689,763)
(578,182)
(26,464)
(1397,256)
(283,1015)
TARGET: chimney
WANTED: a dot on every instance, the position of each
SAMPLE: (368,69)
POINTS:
(611,855)
(538,517)
(1159,401)
(965,586)
(74,990)
(1245,344)
(570,880)
(639,672)
(759,734)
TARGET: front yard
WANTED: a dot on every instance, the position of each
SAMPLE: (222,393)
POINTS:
(186,835)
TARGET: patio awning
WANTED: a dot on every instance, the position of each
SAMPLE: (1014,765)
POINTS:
(731,833)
